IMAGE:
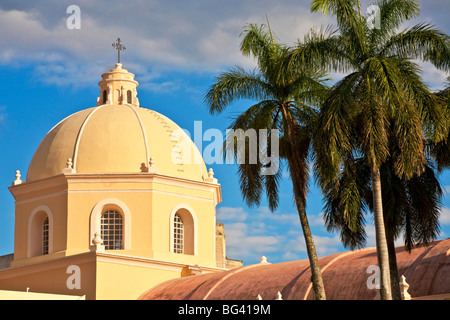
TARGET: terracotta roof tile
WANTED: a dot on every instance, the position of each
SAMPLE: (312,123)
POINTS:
(427,271)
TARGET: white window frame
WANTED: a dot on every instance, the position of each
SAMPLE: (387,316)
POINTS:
(172,231)
(32,232)
(100,208)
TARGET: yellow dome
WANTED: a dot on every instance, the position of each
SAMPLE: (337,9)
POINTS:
(117,138)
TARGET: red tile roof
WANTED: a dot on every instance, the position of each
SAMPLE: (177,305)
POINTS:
(427,271)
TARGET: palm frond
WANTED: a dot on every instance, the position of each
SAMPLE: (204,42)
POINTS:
(422,41)
(334,127)
(322,49)
(392,14)
(234,85)
(345,205)
(425,196)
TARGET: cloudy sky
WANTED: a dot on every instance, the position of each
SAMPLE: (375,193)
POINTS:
(175,48)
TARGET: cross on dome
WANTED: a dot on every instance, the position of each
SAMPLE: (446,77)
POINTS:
(119,47)
(118,85)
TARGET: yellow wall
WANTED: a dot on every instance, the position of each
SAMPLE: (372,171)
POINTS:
(47,193)
(116,280)
(102,276)
(150,176)
(111,274)
(51,276)
(149,198)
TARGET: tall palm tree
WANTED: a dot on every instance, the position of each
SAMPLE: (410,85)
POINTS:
(382,95)
(286,101)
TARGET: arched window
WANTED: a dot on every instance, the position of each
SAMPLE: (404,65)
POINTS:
(105,96)
(183,230)
(111,229)
(99,222)
(178,235)
(45,236)
(129,96)
(40,232)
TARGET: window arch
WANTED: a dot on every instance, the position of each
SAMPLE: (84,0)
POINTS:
(111,206)
(111,229)
(183,230)
(40,232)
(105,96)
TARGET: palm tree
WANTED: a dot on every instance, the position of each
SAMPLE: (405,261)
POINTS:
(381,97)
(410,207)
(285,101)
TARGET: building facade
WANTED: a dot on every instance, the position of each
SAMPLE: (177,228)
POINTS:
(117,198)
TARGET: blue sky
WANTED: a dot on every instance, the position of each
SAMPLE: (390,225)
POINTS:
(175,48)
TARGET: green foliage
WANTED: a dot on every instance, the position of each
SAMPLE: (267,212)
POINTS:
(273,87)
(379,116)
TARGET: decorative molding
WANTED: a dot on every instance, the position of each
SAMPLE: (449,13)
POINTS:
(80,133)
(144,134)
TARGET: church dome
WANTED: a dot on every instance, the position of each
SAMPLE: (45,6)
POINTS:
(117,136)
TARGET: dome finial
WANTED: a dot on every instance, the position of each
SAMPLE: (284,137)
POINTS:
(211,176)
(69,167)
(17,181)
(118,86)
(119,47)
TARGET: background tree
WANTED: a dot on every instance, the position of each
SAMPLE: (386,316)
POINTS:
(411,209)
(382,96)
(286,100)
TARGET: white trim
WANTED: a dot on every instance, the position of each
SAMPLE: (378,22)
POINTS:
(42,141)
(194,219)
(90,257)
(80,132)
(55,194)
(96,213)
(30,241)
(147,155)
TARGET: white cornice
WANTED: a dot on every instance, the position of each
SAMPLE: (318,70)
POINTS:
(116,258)
(63,181)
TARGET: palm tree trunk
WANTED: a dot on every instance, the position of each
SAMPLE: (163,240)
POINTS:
(316,274)
(299,185)
(395,281)
(380,234)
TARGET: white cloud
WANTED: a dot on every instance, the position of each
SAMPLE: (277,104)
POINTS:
(251,234)
(187,36)
(200,36)
(242,243)
(324,245)
(231,214)
(445,216)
